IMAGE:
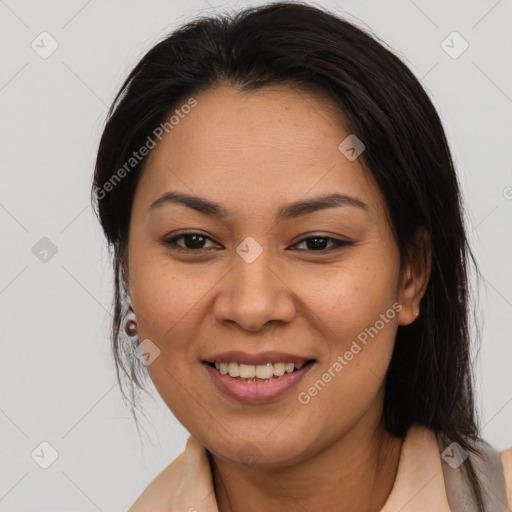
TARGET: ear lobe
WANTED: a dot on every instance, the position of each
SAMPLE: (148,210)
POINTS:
(416,277)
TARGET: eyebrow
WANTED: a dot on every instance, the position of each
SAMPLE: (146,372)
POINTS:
(289,211)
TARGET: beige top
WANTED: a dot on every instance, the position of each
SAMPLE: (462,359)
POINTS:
(427,479)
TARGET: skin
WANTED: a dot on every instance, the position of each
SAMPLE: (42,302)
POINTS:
(253,153)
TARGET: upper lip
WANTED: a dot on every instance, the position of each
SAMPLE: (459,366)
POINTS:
(239,356)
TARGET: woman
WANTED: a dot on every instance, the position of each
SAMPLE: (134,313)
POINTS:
(290,256)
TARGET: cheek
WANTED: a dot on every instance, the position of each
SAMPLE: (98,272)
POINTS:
(167,302)
(351,377)
(166,298)
(357,315)
(352,297)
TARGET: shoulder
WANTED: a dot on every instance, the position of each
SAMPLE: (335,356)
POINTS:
(156,495)
(492,459)
(506,462)
(185,481)
(492,467)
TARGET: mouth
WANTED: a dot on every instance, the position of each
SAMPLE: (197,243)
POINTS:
(260,372)
(257,384)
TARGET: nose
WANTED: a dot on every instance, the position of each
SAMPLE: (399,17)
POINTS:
(254,294)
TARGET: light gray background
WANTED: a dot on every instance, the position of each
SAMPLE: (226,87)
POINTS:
(57,377)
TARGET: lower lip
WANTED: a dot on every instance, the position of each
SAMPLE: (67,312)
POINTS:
(257,392)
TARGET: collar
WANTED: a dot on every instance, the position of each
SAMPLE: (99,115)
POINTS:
(186,484)
(419,484)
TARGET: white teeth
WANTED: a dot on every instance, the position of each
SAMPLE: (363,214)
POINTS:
(265,371)
(234,369)
(260,371)
(279,369)
(247,371)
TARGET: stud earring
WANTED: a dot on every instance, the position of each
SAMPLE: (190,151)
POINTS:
(130,323)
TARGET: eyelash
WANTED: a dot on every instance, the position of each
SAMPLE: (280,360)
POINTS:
(171,242)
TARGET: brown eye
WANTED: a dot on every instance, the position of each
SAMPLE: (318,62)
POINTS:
(191,242)
(319,243)
(196,242)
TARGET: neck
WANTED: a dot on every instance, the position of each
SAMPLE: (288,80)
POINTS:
(356,472)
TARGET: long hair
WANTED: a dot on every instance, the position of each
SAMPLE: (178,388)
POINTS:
(429,380)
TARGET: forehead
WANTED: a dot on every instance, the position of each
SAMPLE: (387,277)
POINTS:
(273,143)
(290,122)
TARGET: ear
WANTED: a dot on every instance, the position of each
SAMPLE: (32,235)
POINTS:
(415,278)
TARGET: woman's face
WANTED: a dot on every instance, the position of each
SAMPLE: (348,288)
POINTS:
(266,277)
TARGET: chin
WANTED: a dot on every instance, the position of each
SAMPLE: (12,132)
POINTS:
(256,450)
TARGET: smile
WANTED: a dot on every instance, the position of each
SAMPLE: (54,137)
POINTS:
(256,383)
(260,372)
